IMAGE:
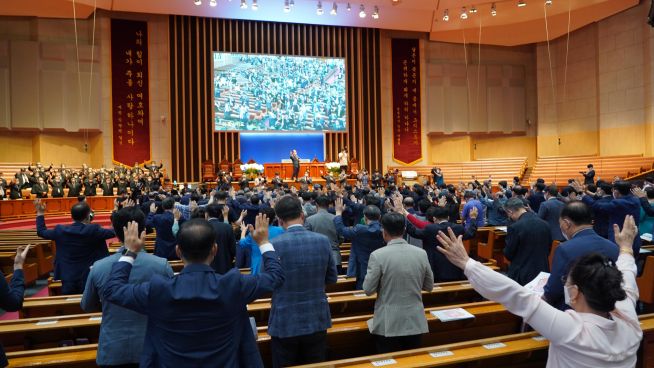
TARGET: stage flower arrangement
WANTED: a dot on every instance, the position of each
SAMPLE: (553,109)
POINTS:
(252,170)
(333,167)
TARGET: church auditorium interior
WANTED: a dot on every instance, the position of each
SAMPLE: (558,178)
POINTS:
(282,183)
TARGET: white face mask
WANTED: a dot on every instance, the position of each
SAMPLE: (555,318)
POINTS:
(566,294)
(565,236)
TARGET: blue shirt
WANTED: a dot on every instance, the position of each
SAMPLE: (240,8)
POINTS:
(249,243)
(480,215)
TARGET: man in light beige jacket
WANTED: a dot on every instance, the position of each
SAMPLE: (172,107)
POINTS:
(397,273)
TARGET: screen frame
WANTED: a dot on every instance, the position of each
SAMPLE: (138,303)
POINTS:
(213,99)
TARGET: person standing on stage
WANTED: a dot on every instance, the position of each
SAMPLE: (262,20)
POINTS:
(296,164)
(343,159)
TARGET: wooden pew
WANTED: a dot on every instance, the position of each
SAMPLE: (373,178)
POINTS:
(342,303)
(515,350)
(42,254)
(348,337)
(30,267)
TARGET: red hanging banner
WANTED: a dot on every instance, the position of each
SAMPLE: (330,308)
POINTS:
(407,130)
(130,91)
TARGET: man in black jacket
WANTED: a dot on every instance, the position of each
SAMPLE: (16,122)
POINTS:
(442,268)
(224,259)
(528,242)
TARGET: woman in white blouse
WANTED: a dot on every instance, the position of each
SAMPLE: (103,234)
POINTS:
(601,329)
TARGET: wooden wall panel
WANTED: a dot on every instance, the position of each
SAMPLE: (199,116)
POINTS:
(194,39)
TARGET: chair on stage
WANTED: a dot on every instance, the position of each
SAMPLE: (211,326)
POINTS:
(224,165)
(208,171)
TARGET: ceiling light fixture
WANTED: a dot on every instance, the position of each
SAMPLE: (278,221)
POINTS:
(473,9)
(349,8)
(446,15)
(548,2)
(213,3)
(244,4)
(362,11)
(375,13)
(493,10)
(287,7)
(319,10)
(255,6)
(464,13)
(334,10)
(521,4)
(197,2)
(292,3)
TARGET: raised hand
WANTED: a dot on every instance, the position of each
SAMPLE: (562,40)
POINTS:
(225,211)
(177,214)
(625,237)
(39,206)
(474,212)
(133,241)
(338,206)
(21,255)
(260,232)
(153,207)
(638,192)
(452,247)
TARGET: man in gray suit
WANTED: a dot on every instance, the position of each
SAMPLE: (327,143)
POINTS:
(323,223)
(397,273)
(550,211)
(122,331)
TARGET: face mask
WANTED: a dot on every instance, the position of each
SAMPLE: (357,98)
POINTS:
(565,236)
(566,294)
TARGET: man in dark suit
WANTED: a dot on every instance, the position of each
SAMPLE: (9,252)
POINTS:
(74,187)
(603,195)
(623,203)
(90,185)
(589,175)
(442,269)
(224,259)
(40,189)
(57,187)
(550,211)
(3,187)
(164,243)
(365,238)
(536,197)
(576,224)
(197,318)
(107,187)
(528,242)
(78,245)
(295,159)
(300,316)
(23,179)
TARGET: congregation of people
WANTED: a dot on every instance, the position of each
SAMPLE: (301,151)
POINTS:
(58,182)
(403,240)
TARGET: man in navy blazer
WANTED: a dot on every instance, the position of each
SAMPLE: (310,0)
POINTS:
(300,316)
(623,203)
(11,295)
(79,245)
(442,269)
(164,243)
(576,224)
(365,238)
(197,318)
(550,211)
